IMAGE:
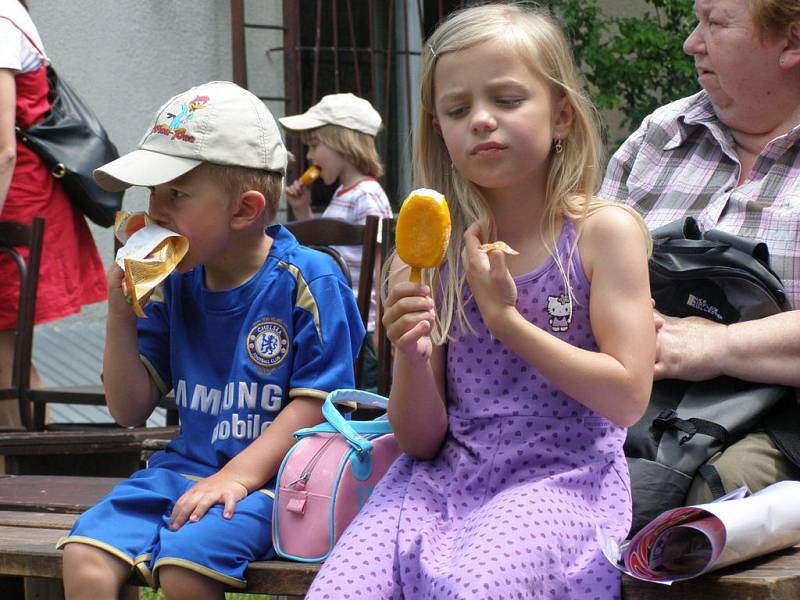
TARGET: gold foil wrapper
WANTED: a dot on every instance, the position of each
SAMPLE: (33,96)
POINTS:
(150,254)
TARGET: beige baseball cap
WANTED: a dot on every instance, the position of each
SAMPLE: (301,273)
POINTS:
(345,110)
(217,122)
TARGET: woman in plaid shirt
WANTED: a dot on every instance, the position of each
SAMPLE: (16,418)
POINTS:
(730,157)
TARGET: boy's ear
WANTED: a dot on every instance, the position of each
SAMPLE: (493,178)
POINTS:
(249,208)
(564,115)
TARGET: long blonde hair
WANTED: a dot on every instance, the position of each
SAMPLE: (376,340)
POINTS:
(572,175)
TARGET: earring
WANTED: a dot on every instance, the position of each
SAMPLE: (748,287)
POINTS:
(558,145)
(782,61)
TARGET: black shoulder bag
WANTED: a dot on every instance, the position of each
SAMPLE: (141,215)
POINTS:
(72,143)
(725,278)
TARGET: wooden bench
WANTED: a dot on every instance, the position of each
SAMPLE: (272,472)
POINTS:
(104,451)
(36,511)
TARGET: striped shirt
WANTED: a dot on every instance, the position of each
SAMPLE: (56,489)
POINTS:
(354,204)
(682,162)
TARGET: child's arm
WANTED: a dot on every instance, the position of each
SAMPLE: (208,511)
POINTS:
(417,409)
(251,468)
(616,381)
(131,394)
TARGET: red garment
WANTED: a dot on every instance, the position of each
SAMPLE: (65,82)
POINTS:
(71,272)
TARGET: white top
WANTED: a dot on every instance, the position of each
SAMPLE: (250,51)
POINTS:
(16,52)
(354,204)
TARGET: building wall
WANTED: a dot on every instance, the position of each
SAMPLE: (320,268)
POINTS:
(127,58)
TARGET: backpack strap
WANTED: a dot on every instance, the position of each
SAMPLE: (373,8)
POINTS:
(711,476)
(669,419)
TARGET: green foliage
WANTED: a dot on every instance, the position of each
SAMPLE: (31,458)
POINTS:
(633,63)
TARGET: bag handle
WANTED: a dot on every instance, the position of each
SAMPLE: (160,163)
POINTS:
(689,229)
(352,431)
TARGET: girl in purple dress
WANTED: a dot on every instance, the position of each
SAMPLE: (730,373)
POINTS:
(515,375)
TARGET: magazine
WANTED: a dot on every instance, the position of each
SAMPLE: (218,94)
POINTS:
(686,542)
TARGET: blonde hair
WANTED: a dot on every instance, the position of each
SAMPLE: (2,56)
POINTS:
(356,146)
(237,180)
(572,175)
(773,16)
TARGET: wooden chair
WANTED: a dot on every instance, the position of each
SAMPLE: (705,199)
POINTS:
(32,401)
(384,349)
(324,233)
(13,236)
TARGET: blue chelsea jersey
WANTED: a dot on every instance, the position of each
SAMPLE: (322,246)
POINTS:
(235,358)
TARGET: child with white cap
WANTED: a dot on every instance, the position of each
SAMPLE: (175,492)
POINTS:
(251,332)
(340,134)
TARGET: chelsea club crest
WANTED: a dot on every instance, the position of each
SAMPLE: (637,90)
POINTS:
(268,343)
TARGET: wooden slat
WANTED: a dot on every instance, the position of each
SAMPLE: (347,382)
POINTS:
(772,577)
(36,520)
(80,442)
(30,552)
(280,578)
(60,494)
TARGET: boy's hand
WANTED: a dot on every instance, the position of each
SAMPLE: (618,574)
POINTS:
(118,305)
(216,489)
(299,198)
(408,317)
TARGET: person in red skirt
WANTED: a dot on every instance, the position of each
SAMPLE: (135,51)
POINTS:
(71,272)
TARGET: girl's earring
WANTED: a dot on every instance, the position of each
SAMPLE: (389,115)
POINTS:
(559,147)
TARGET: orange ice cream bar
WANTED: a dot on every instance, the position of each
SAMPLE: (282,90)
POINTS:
(311,175)
(149,255)
(502,246)
(423,231)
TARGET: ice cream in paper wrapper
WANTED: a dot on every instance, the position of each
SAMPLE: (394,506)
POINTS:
(686,542)
(150,253)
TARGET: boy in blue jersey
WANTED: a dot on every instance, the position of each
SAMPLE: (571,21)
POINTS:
(251,332)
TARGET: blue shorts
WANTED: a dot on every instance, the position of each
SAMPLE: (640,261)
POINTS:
(132,523)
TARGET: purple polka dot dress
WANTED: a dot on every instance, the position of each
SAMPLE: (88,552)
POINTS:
(509,506)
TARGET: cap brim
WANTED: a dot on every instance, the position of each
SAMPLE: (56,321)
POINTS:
(142,167)
(301,122)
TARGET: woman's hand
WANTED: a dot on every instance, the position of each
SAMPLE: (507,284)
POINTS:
(489,280)
(688,348)
(408,318)
(299,198)
(195,502)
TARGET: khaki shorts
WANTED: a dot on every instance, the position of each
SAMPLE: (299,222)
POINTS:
(753,461)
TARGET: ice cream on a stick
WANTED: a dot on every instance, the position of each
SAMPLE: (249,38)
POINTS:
(311,174)
(423,231)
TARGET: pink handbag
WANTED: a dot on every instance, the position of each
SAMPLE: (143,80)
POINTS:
(327,476)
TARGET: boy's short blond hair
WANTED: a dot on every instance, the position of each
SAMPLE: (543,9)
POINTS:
(357,147)
(237,180)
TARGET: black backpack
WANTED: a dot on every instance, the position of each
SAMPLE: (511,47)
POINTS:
(718,276)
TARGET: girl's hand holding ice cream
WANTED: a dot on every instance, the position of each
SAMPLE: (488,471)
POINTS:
(298,195)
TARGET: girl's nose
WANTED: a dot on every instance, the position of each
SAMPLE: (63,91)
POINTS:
(483,120)
(694,43)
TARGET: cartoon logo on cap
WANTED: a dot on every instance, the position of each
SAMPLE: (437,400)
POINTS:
(268,343)
(175,128)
